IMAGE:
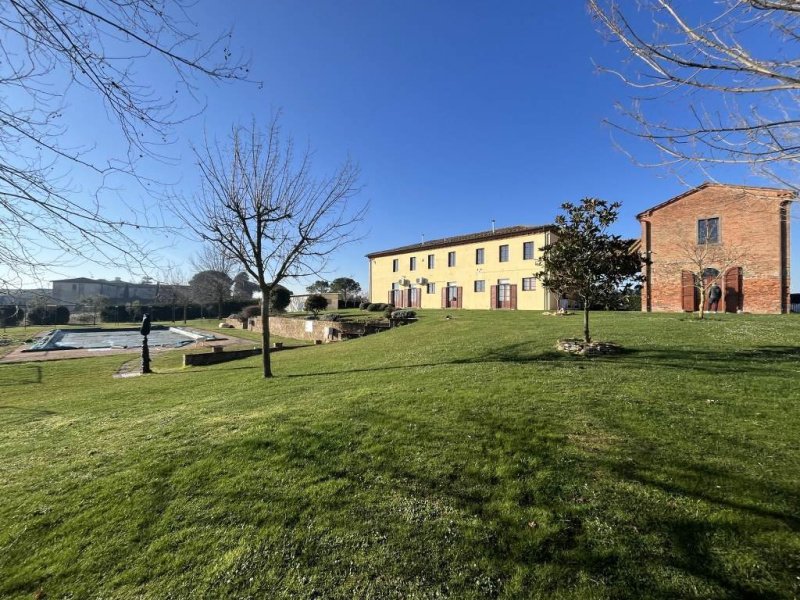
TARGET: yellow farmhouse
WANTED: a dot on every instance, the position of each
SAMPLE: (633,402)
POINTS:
(487,270)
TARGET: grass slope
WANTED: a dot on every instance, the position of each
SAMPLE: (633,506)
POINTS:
(450,458)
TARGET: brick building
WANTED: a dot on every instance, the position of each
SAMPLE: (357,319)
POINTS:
(744,233)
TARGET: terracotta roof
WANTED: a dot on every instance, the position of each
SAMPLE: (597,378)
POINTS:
(788,193)
(457,240)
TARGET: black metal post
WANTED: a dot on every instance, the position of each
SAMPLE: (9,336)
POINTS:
(145,330)
(145,356)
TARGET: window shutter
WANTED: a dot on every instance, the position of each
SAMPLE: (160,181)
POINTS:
(514,296)
(391,299)
(687,291)
(493,297)
(459,296)
(444,296)
(733,289)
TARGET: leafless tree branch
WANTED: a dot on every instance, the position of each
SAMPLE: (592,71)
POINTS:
(49,49)
(731,65)
(261,203)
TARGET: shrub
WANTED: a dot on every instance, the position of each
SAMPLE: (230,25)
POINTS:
(331,317)
(61,315)
(387,312)
(279,299)
(402,314)
(364,305)
(248,312)
(9,316)
(315,303)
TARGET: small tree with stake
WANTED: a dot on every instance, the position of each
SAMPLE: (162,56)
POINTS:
(586,260)
(261,204)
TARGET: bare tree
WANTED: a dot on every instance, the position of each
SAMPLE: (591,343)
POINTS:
(733,66)
(263,205)
(214,258)
(51,48)
(703,266)
(175,290)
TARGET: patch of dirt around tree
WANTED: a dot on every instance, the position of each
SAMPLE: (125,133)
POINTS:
(578,347)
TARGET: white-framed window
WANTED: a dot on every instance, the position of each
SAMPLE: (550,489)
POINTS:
(504,253)
(527,251)
(528,284)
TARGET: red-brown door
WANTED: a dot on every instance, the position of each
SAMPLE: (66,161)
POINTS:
(733,290)
(504,295)
(689,300)
(414,297)
(451,296)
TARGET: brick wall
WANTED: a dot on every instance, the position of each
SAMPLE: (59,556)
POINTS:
(753,223)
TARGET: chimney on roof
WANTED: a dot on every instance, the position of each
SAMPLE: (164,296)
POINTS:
(492,225)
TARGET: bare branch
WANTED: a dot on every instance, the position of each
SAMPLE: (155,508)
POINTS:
(733,66)
(261,205)
(51,47)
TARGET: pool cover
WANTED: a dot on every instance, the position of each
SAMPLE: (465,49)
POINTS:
(71,339)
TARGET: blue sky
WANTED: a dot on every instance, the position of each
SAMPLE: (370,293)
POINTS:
(457,113)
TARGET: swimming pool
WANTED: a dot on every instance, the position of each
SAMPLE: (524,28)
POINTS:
(100,339)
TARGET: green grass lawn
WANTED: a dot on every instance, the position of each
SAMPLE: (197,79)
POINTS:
(458,458)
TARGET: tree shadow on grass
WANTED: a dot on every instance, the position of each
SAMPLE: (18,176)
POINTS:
(21,374)
(682,543)
(756,360)
(17,415)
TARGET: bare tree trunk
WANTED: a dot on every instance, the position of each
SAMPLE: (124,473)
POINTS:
(586,337)
(702,301)
(265,358)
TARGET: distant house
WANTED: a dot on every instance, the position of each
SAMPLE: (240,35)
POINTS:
(297,303)
(117,291)
(749,221)
(485,270)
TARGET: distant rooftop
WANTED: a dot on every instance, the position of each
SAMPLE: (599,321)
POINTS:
(496,234)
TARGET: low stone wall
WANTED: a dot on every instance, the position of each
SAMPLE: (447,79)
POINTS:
(212,358)
(303,329)
(236,323)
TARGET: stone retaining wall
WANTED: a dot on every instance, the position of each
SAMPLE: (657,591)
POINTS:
(302,329)
(212,358)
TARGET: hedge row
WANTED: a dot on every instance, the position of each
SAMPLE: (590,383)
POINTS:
(125,313)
